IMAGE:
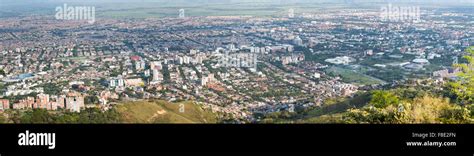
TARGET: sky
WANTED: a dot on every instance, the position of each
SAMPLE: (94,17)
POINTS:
(232,1)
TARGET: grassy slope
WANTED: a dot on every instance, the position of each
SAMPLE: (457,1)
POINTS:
(353,77)
(331,112)
(164,112)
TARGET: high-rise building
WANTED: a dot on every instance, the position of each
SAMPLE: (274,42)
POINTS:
(147,73)
(73,102)
(116,82)
(4,104)
(140,65)
(186,60)
(112,83)
(157,77)
(204,81)
(155,65)
(180,60)
(42,101)
(120,82)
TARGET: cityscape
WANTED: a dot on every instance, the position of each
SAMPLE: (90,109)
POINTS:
(258,62)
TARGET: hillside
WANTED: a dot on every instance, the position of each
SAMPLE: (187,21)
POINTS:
(164,112)
(400,105)
(125,112)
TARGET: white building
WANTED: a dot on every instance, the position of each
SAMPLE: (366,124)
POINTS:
(157,76)
(116,82)
(298,41)
(317,75)
(345,60)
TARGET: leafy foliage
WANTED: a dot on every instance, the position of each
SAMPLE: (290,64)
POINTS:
(87,116)
(37,116)
(91,100)
(2,72)
(424,109)
(2,118)
(464,87)
(51,89)
(382,99)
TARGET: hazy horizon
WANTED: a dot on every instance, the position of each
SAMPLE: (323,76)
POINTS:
(161,8)
(27,2)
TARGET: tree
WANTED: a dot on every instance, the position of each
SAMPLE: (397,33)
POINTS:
(463,88)
(2,72)
(471,108)
(2,118)
(14,116)
(456,114)
(67,117)
(51,89)
(36,116)
(91,100)
(382,99)
(425,109)
(370,115)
